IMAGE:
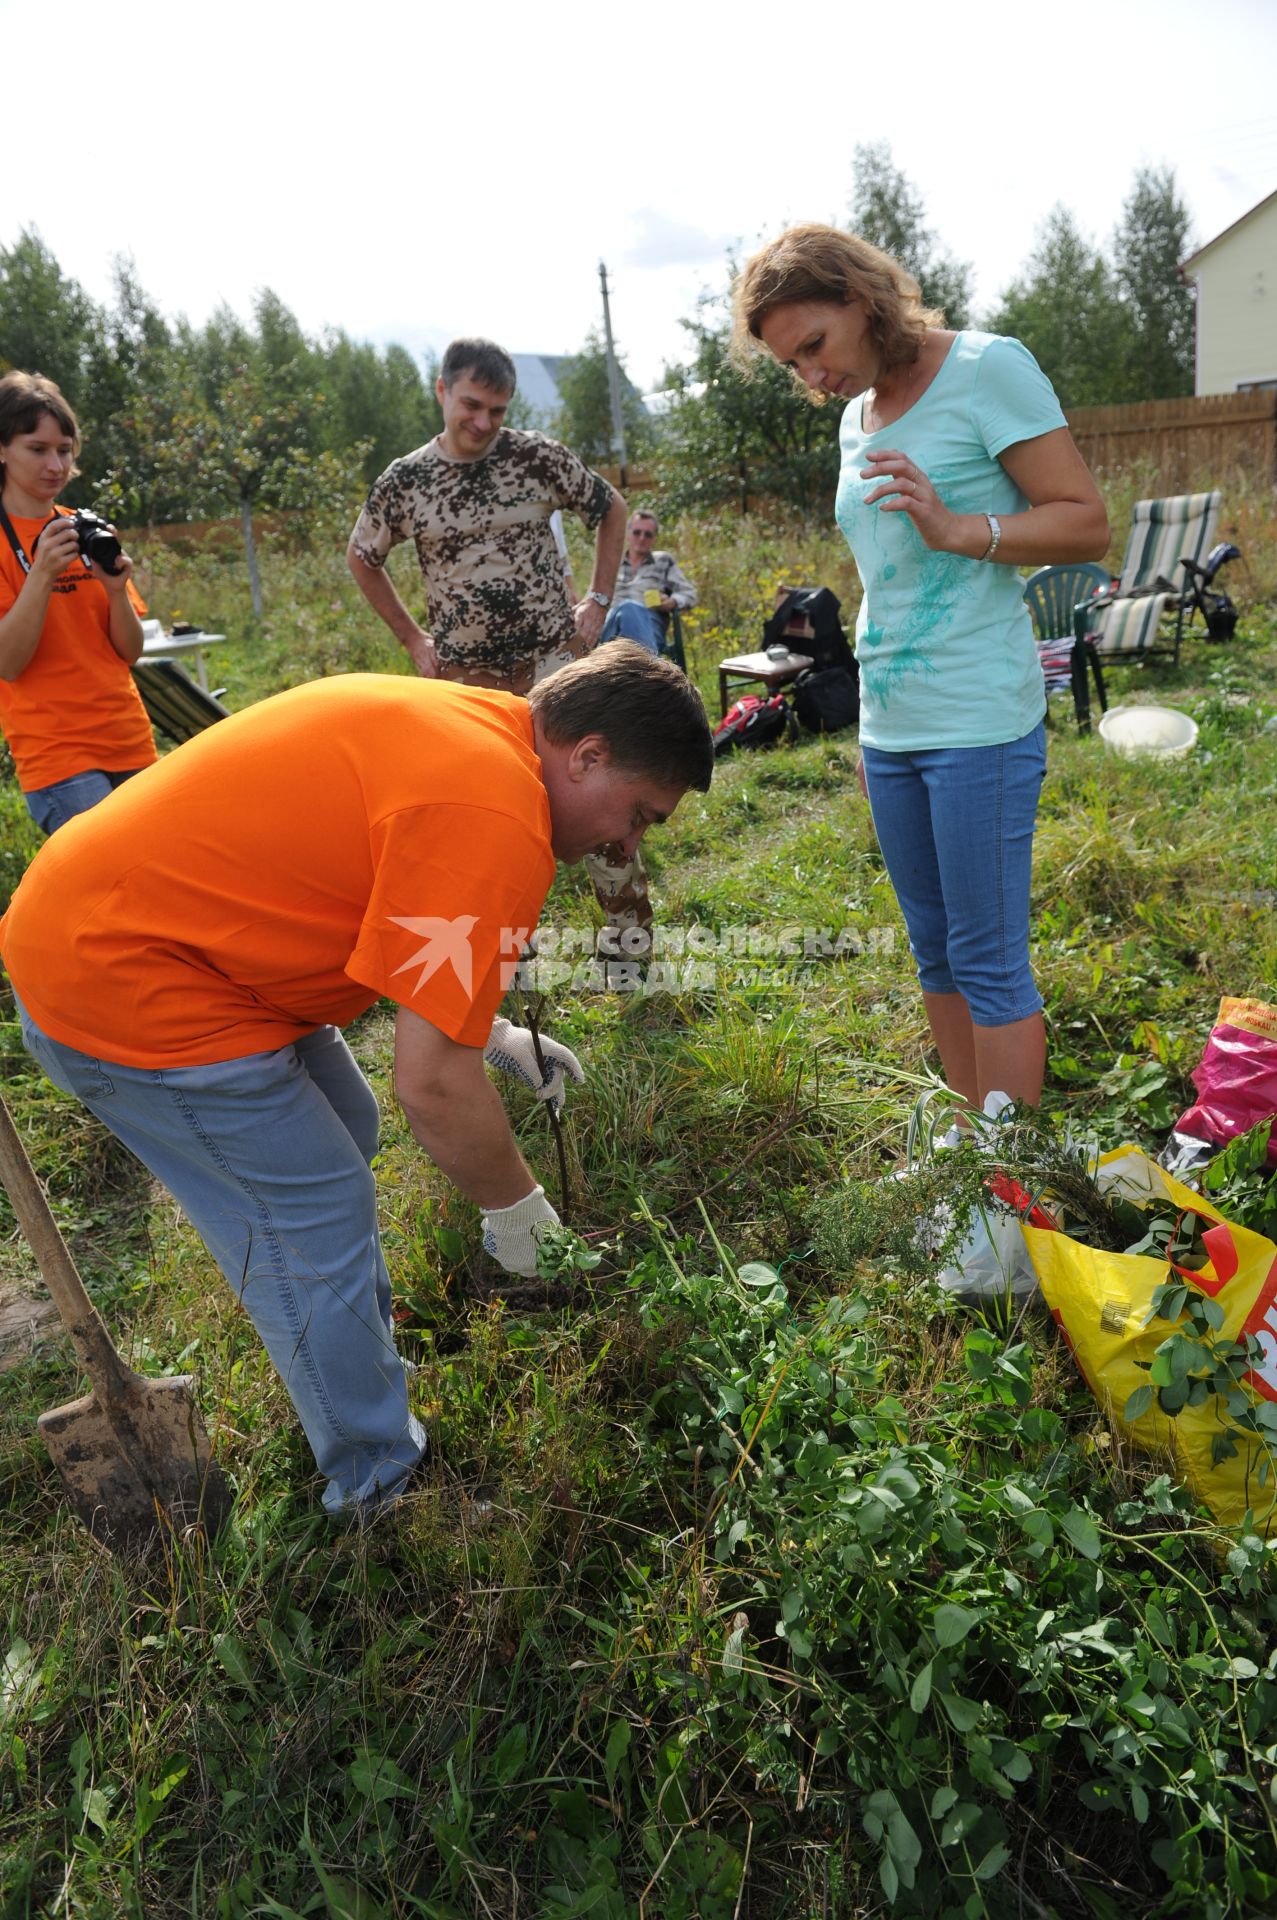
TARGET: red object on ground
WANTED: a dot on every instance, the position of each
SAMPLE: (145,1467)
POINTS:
(1237,1079)
(1012,1194)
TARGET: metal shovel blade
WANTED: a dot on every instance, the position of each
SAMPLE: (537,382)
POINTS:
(141,1469)
(133,1454)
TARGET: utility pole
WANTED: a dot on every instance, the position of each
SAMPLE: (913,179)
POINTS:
(614,385)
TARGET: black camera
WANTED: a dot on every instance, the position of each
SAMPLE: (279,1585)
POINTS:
(93,537)
(96,541)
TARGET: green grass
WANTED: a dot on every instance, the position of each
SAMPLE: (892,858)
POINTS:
(753,1578)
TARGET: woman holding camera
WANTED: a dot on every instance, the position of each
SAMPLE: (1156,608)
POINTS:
(957,469)
(69,630)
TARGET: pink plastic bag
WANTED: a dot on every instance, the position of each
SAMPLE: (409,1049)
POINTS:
(1237,1080)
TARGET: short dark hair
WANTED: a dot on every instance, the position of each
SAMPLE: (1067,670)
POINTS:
(25,398)
(484,361)
(647,710)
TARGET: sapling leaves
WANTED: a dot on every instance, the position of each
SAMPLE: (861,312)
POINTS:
(953,1623)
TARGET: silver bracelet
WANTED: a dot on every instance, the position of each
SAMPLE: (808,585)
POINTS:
(995,534)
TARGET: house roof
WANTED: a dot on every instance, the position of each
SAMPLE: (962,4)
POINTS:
(538,376)
(539,382)
(1240,222)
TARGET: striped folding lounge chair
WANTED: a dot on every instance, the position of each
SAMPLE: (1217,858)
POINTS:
(1126,624)
(174,703)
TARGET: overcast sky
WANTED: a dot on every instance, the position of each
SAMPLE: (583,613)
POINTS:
(410,173)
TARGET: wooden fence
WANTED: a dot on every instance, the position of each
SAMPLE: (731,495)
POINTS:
(225,534)
(1181,444)
(1213,439)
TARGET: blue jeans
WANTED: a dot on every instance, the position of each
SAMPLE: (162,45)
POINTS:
(633,621)
(51,807)
(955,825)
(269,1156)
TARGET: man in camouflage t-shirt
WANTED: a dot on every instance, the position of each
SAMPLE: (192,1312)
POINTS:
(477,501)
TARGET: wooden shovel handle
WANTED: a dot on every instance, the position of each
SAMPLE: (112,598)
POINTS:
(92,1342)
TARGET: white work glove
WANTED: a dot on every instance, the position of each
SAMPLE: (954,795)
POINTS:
(511,1049)
(510,1233)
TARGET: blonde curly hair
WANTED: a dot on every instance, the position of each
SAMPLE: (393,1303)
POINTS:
(827,266)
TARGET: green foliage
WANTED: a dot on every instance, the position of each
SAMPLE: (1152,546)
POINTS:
(1239,1183)
(944,1634)
(1103,334)
(887,211)
(584,422)
(1151,240)
(231,423)
(1109,326)
(46,320)
(1193,1367)
(732,439)
(1066,309)
(182,423)
(376,398)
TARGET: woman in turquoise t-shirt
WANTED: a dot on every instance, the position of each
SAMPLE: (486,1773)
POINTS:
(957,469)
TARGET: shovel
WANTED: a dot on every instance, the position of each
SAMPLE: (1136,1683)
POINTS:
(133,1454)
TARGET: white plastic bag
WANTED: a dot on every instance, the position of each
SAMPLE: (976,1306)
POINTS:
(993,1261)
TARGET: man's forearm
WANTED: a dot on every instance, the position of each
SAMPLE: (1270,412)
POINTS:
(680,589)
(609,544)
(379,591)
(469,1139)
(456,1114)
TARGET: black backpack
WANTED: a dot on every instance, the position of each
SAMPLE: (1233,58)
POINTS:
(827,699)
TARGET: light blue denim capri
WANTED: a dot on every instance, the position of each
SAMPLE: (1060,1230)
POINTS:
(955,825)
(269,1157)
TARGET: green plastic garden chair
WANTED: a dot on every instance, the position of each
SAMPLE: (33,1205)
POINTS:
(1052,595)
(674,641)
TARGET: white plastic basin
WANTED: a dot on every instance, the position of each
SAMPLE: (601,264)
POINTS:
(1163,732)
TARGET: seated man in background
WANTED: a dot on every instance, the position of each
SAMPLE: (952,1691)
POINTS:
(184,960)
(650,586)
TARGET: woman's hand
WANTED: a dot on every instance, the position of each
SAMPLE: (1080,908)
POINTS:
(117,581)
(55,548)
(906,489)
(1067,521)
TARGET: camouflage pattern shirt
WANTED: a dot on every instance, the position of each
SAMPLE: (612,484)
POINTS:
(493,574)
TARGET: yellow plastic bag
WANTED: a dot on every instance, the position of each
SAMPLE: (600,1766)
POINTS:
(1100,1300)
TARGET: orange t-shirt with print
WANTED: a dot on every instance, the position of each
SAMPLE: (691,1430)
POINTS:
(75,705)
(364,835)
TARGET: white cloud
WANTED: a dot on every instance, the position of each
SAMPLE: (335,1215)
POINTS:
(659,240)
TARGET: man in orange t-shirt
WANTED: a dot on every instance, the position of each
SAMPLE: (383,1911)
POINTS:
(183,961)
